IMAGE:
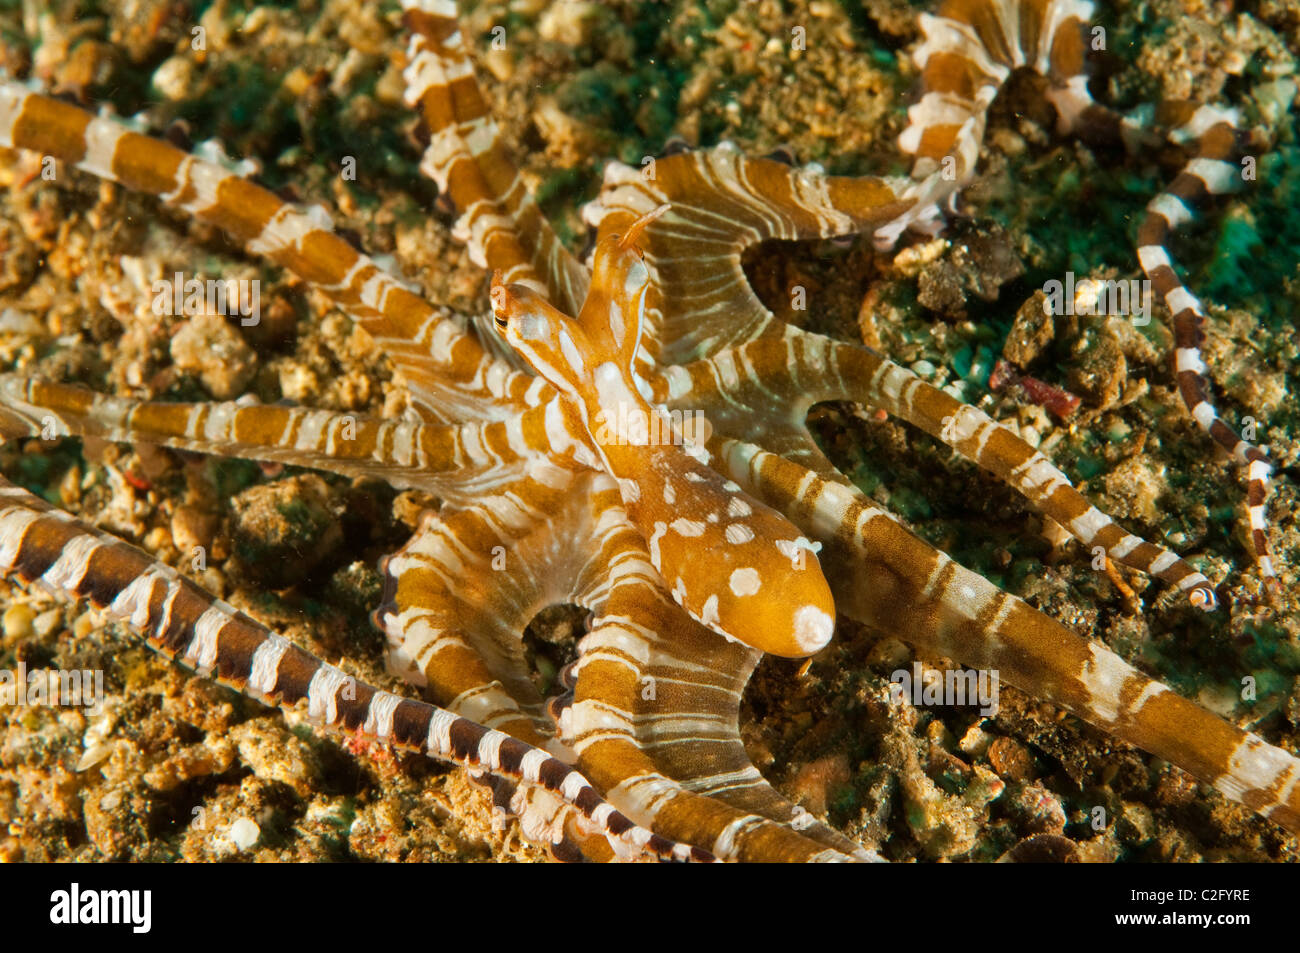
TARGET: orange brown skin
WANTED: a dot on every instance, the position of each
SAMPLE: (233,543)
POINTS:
(731,562)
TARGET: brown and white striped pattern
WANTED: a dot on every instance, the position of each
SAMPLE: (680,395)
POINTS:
(461,639)
(787,376)
(1212,135)
(525,477)
(732,563)
(449,372)
(183,623)
(719,204)
(988,444)
(967,53)
(456,461)
(672,758)
(886,577)
(499,220)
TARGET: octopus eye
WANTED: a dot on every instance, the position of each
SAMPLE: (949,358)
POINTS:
(500,303)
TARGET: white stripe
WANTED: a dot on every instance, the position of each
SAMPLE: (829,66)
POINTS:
(102,136)
(573,786)
(202,650)
(12,99)
(1254,766)
(205,182)
(1203,120)
(1126,546)
(1181,299)
(1104,677)
(1087,526)
(438,741)
(1151,691)
(265,670)
(1152,257)
(1188,359)
(1258,470)
(1218,176)
(489,749)
(532,763)
(132,603)
(13,527)
(379,718)
(1161,563)
(725,846)
(322,694)
(73,562)
(1170,208)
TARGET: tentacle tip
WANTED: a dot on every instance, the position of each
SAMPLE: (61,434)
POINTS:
(632,237)
(1203,598)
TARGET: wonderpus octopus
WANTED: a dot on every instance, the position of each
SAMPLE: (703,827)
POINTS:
(627,432)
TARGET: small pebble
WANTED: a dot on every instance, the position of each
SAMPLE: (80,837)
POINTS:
(975,741)
(1011,760)
(1136,824)
(86,623)
(818,782)
(45,623)
(210,348)
(1031,332)
(95,754)
(192,528)
(173,77)
(18,622)
(244,833)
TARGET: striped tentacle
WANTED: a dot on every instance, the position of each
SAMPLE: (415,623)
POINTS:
(454,460)
(465,649)
(867,377)
(790,375)
(449,372)
(969,50)
(442,609)
(654,719)
(764,387)
(460,593)
(500,220)
(179,620)
(1213,170)
(546,819)
(886,577)
(720,203)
